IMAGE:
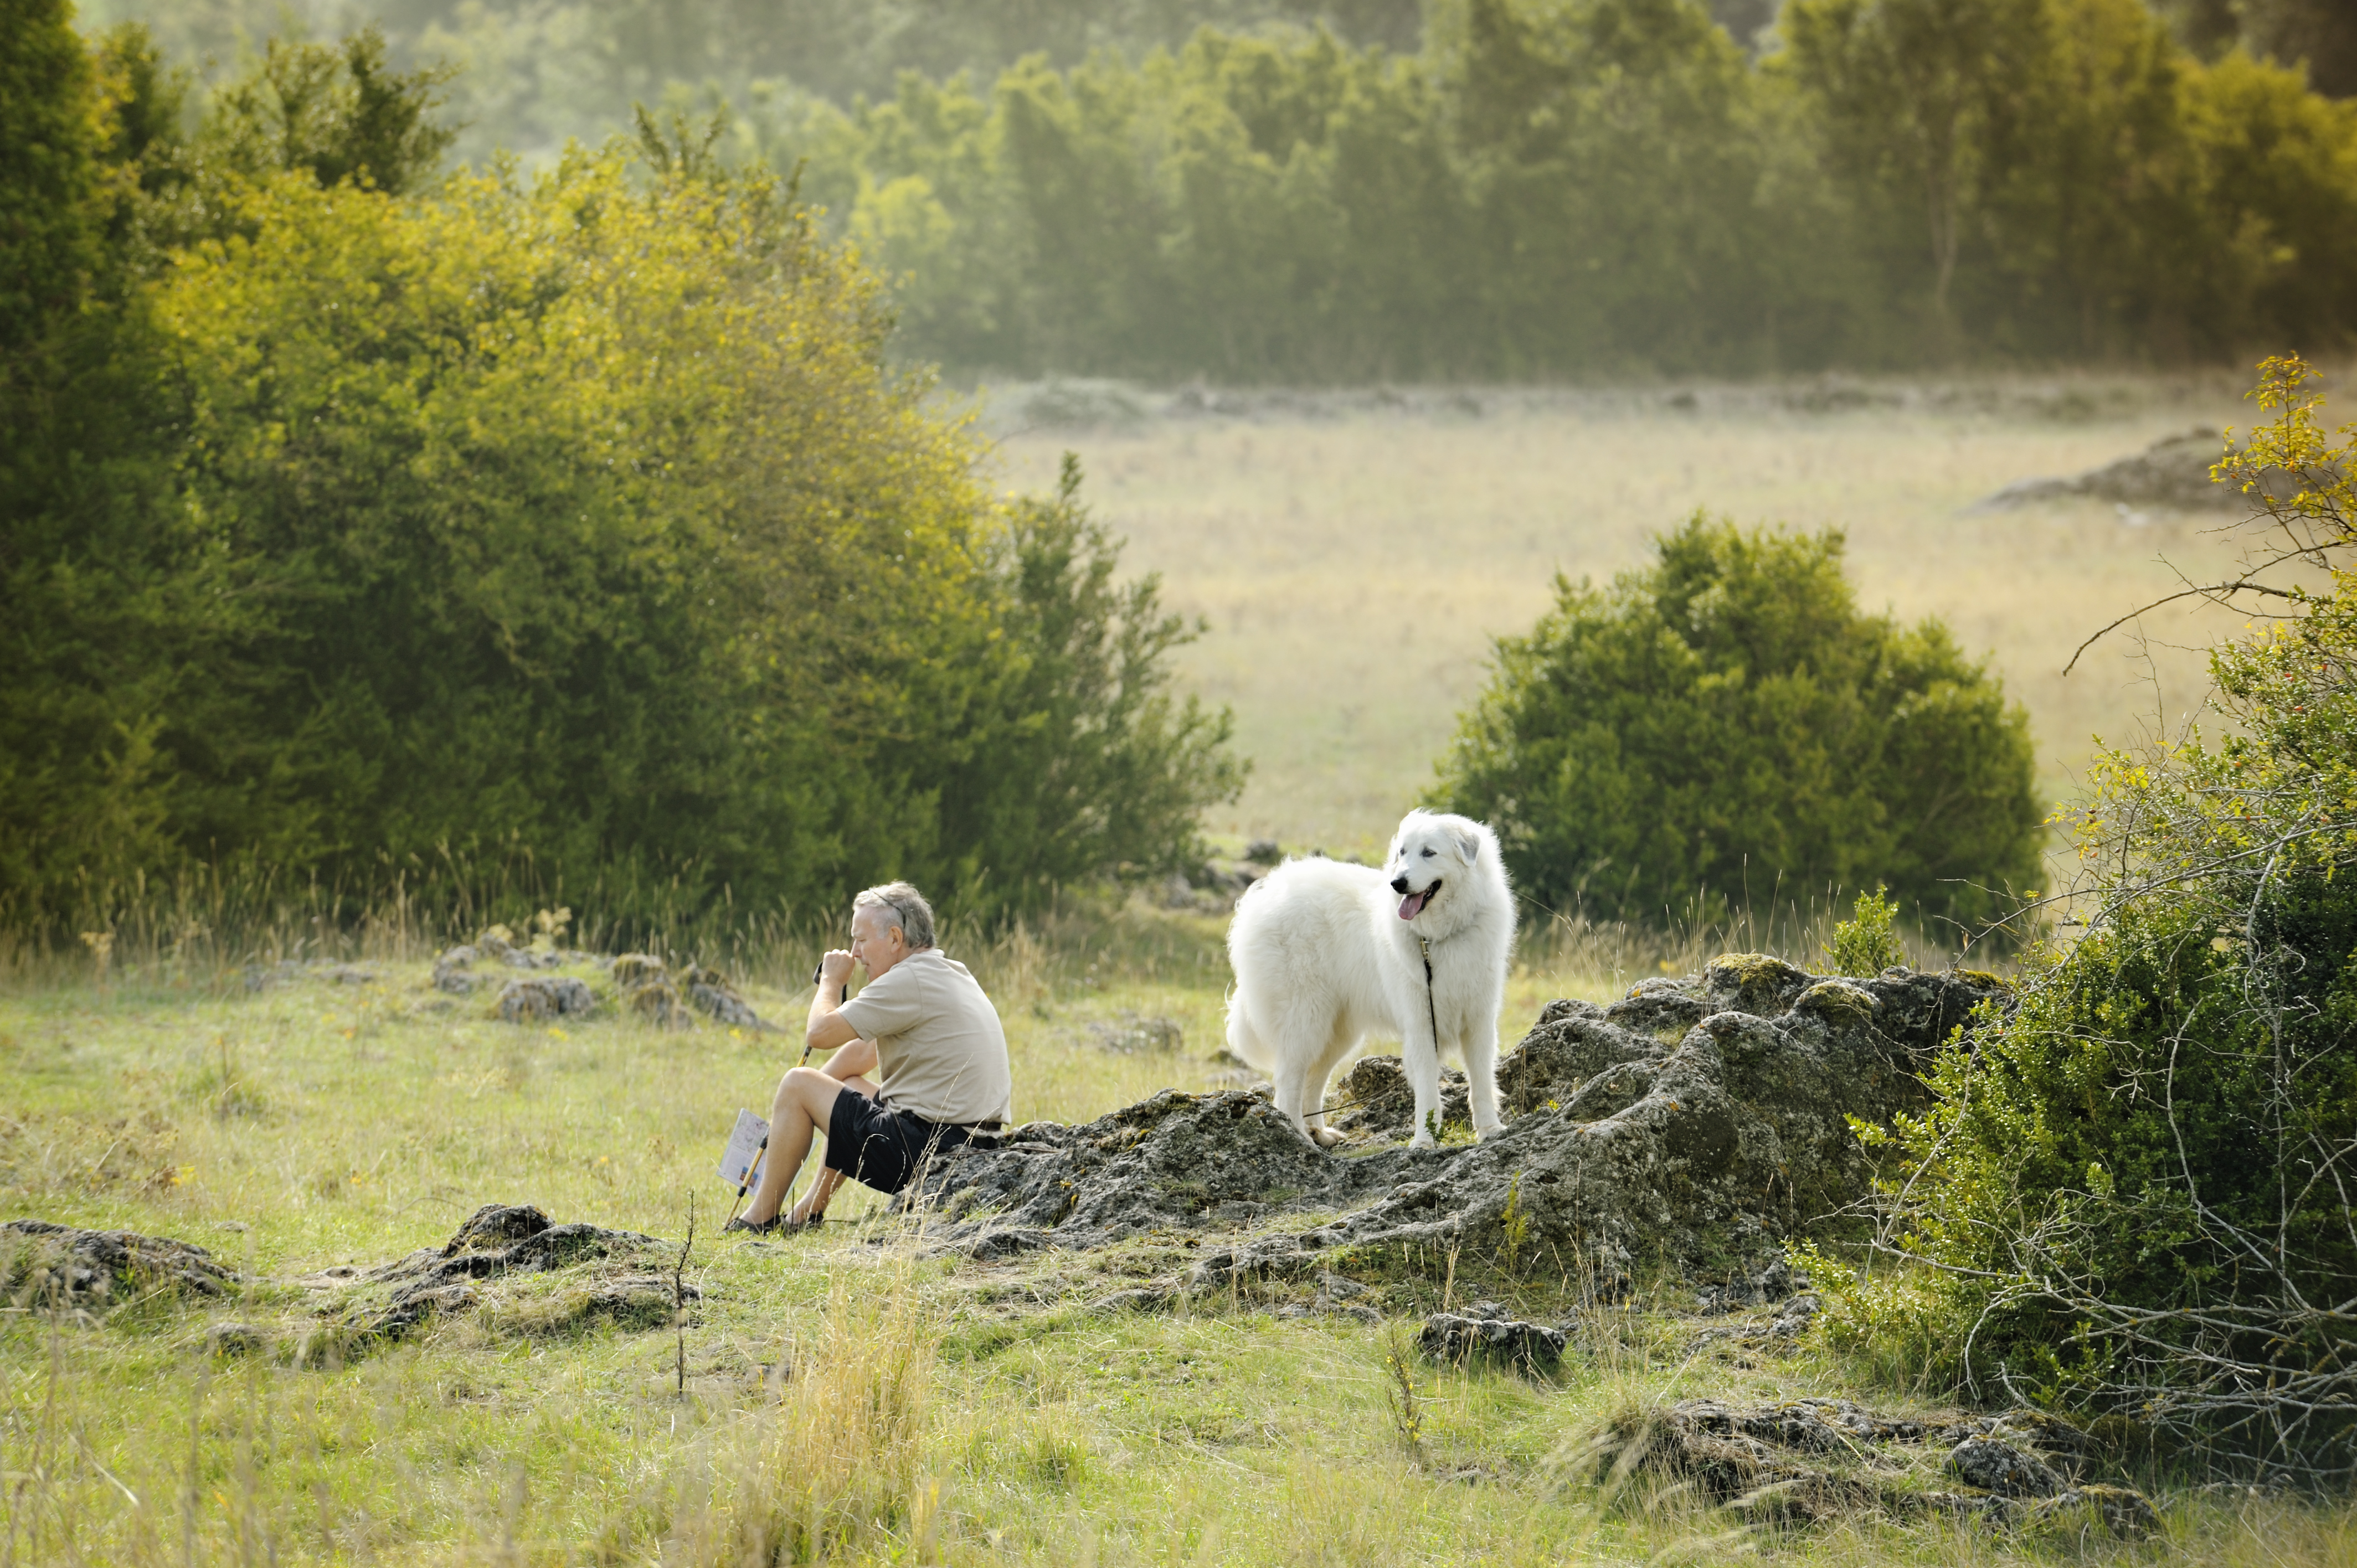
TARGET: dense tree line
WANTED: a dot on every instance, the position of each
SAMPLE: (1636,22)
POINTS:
(1594,187)
(538,71)
(1322,189)
(351,517)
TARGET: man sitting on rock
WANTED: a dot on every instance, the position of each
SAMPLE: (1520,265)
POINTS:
(924,1022)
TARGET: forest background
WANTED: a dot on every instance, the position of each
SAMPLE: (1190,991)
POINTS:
(1280,190)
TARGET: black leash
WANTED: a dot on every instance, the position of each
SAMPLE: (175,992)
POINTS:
(1431,1008)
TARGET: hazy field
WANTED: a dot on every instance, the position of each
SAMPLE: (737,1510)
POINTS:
(1354,564)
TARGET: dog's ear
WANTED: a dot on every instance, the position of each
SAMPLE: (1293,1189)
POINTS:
(1468,845)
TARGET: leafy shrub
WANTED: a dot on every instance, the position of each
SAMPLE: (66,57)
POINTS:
(1867,943)
(2133,1192)
(585,517)
(1724,723)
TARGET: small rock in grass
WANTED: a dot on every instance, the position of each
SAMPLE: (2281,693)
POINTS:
(549,996)
(1795,1317)
(234,1339)
(43,1265)
(2000,1468)
(1130,1034)
(1448,1336)
(2123,1510)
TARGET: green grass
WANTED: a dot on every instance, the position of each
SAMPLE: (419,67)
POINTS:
(848,1398)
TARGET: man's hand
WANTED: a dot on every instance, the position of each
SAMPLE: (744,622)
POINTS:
(827,1030)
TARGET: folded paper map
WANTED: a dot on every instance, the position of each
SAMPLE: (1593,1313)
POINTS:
(742,1163)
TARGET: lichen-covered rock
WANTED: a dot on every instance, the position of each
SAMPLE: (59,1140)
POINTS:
(1375,1096)
(1994,1466)
(1131,1035)
(1765,1286)
(545,996)
(708,991)
(44,1265)
(651,991)
(1808,1460)
(1619,1145)
(453,971)
(1458,1336)
(633,970)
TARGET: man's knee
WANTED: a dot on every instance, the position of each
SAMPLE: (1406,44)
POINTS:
(808,1088)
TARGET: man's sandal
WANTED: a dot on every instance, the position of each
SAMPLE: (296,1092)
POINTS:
(778,1224)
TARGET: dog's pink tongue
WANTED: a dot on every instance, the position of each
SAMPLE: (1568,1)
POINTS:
(1412,905)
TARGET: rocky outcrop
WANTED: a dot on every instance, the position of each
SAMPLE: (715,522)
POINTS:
(1691,1120)
(44,1265)
(2171,475)
(1812,1459)
(454,970)
(653,991)
(1484,1330)
(545,996)
(614,1268)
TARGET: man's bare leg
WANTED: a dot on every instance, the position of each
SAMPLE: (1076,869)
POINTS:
(805,1101)
(830,1180)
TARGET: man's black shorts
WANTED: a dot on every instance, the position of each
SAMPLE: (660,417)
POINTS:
(877,1146)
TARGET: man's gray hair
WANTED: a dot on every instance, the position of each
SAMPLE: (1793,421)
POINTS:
(915,916)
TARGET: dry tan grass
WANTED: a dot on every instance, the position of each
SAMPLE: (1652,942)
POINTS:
(1354,569)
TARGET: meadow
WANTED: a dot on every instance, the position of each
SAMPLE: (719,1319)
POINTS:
(852,1396)
(1352,564)
(838,1397)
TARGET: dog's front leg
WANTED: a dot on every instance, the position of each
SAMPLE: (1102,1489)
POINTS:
(1293,1096)
(1481,1050)
(1420,1059)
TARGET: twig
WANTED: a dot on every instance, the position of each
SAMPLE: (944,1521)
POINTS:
(679,1291)
(2243,585)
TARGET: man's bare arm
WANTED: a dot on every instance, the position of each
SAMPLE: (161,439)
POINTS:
(827,1029)
(856,1060)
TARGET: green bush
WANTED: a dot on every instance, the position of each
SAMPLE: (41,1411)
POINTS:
(1867,943)
(2133,1192)
(1726,726)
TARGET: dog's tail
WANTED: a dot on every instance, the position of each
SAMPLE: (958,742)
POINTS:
(1242,1042)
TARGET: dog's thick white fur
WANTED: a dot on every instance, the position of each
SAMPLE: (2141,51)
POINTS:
(1325,954)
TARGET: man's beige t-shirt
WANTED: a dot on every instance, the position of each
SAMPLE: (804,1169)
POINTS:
(938,1041)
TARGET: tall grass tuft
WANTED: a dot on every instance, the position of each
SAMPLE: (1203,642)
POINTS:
(836,1466)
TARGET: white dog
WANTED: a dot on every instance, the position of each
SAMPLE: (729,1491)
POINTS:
(1324,953)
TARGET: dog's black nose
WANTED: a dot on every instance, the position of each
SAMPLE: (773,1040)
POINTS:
(1399,883)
